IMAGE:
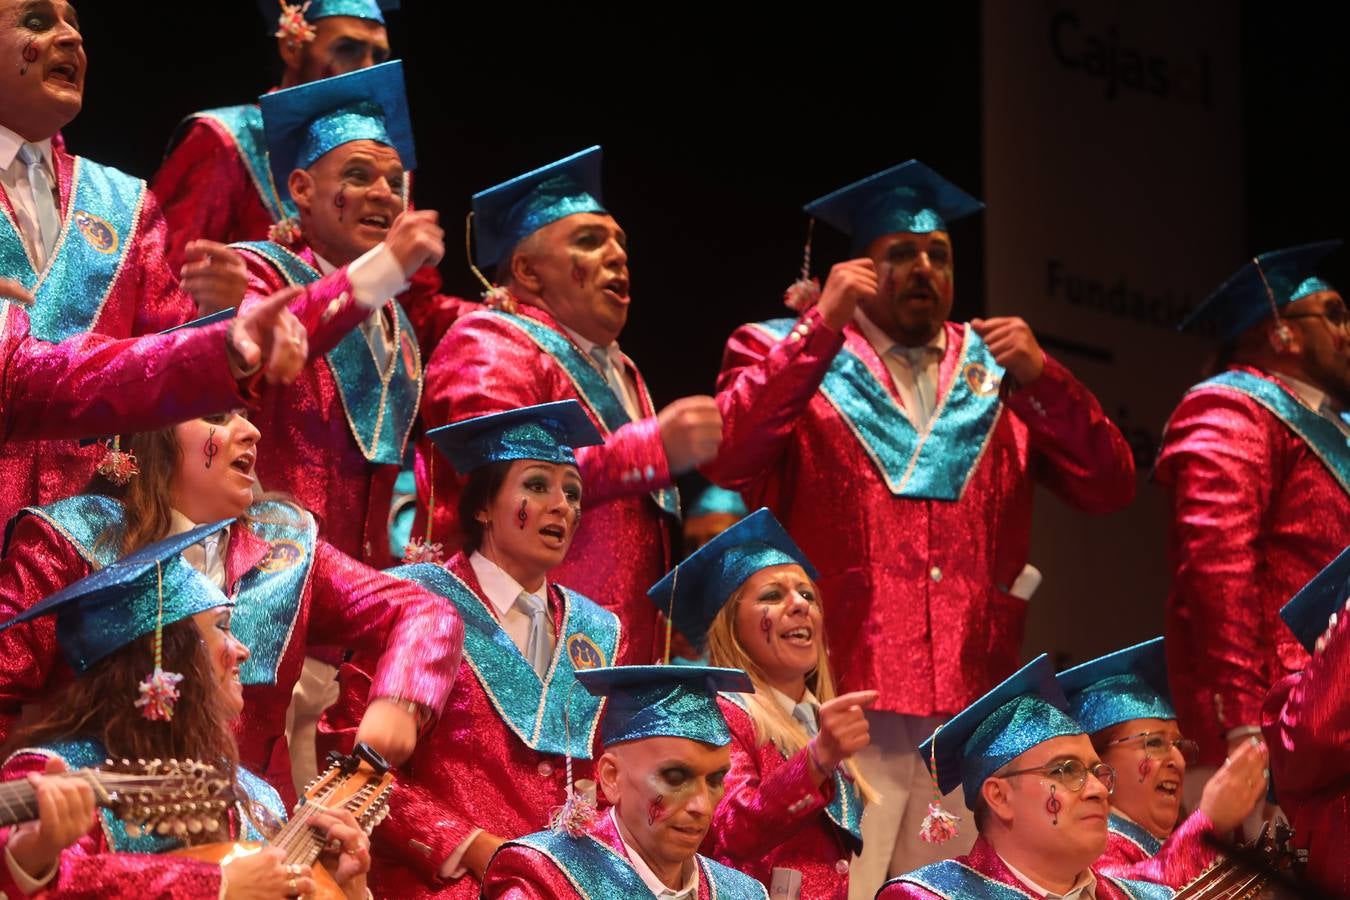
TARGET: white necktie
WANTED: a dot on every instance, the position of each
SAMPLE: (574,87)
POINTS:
(537,651)
(611,373)
(925,397)
(44,201)
(806,714)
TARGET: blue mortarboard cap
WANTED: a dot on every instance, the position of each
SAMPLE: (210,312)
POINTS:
(549,432)
(322,9)
(305,122)
(1309,612)
(704,581)
(716,500)
(1120,686)
(108,609)
(1025,710)
(909,197)
(508,213)
(664,701)
(1242,301)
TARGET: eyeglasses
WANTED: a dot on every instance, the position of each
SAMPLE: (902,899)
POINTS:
(1158,746)
(1336,316)
(1071,773)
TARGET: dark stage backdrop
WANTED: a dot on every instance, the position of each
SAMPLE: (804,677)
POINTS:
(716,128)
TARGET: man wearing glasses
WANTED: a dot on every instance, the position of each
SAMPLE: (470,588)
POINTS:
(1258,468)
(1040,794)
(1121,700)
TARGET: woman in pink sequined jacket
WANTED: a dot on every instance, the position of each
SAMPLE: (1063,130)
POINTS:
(791,816)
(297,594)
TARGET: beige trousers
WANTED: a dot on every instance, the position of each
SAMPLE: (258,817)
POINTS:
(891,843)
(316,690)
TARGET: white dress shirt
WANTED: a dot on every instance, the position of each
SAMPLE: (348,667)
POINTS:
(14,178)
(1084,886)
(629,397)
(654,884)
(208,556)
(376,279)
(1317,400)
(898,364)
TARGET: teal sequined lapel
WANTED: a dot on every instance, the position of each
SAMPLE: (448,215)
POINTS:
(936,463)
(97,234)
(955,881)
(532,710)
(1322,436)
(83,520)
(381,407)
(590,385)
(1134,833)
(267,596)
(245,127)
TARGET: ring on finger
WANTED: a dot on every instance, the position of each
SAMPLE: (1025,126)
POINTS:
(291,888)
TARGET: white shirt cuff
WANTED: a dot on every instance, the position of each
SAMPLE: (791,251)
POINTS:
(376,277)
(453,867)
(27,883)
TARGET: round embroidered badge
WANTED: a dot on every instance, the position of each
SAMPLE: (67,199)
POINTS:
(584,653)
(285,555)
(97,232)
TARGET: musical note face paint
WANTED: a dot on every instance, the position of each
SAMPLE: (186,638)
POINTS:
(656,809)
(340,201)
(29,56)
(210,448)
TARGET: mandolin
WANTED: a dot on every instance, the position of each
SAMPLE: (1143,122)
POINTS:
(168,798)
(1268,868)
(360,783)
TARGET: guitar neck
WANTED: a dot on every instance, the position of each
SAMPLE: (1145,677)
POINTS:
(18,799)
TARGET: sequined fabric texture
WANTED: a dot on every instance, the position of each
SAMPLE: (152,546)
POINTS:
(1118,699)
(1242,541)
(1008,732)
(942,568)
(1133,853)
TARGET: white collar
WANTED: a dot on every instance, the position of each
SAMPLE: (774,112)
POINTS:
(500,588)
(1084,886)
(323,265)
(11,141)
(214,545)
(881,341)
(611,349)
(644,871)
(788,704)
(1312,397)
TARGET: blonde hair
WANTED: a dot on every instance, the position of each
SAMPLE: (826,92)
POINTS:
(772,722)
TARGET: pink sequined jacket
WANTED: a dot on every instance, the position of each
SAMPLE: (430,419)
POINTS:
(1255,515)
(1306,721)
(1133,853)
(143,298)
(485,365)
(918,588)
(342,604)
(773,816)
(323,467)
(470,772)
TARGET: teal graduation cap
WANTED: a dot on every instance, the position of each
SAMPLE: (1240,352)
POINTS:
(716,500)
(507,213)
(1027,709)
(1309,613)
(315,10)
(908,197)
(1243,300)
(663,701)
(305,122)
(113,606)
(694,592)
(1120,686)
(549,432)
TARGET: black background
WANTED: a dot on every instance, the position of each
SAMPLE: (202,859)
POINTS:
(715,129)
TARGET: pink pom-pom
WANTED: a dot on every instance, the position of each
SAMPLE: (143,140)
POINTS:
(575,816)
(293,26)
(159,692)
(118,466)
(802,294)
(420,551)
(285,232)
(939,826)
(500,298)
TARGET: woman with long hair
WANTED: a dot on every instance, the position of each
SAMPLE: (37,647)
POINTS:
(157,678)
(297,594)
(495,766)
(794,799)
